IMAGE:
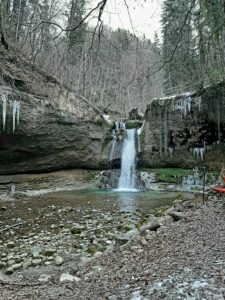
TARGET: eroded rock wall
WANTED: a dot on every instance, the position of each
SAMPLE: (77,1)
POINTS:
(185,130)
(56,130)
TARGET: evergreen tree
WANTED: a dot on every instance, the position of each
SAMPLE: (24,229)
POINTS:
(178,45)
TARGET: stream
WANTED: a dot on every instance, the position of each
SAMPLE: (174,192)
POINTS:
(77,223)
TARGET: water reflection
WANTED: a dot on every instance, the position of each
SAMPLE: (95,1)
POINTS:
(127,201)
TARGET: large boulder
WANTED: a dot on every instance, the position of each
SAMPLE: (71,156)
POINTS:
(43,125)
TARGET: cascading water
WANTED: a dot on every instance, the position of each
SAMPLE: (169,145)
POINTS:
(128,162)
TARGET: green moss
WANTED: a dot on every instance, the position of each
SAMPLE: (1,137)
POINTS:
(92,249)
(124,228)
(76,230)
(169,175)
(133,124)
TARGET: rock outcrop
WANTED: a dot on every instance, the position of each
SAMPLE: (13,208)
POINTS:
(185,130)
(43,126)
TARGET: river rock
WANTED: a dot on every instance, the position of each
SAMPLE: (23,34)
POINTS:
(124,238)
(9,271)
(44,278)
(176,215)
(35,251)
(2,265)
(152,224)
(59,260)
(67,277)
(48,251)
(17,266)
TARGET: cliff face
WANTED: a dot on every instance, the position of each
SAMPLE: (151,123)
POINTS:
(185,130)
(43,126)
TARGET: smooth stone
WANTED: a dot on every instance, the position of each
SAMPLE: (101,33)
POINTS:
(11,262)
(9,271)
(27,263)
(67,277)
(44,278)
(10,245)
(48,251)
(35,251)
(152,224)
(59,260)
(143,242)
(17,266)
(124,238)
(2,265)
(36,262)
(177,216)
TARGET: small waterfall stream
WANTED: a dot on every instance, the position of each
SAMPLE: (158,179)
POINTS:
(128,162)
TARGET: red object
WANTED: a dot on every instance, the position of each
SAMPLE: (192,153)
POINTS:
(224,179)
(219,190)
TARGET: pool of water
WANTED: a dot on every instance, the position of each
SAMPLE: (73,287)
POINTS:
(111,200)
(47,220)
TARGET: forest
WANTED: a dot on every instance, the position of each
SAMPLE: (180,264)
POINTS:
(112,149)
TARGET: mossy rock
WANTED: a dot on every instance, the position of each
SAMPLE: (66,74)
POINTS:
(92,249)
(76,230)
(133,124)
(124,228)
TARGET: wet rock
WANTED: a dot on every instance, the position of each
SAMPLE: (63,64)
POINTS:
(67,277)
(152,224)
(59,260)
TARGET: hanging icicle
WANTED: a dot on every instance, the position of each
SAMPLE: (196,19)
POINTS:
(16,113)
(4,108)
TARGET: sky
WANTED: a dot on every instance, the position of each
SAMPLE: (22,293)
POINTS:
(142,17)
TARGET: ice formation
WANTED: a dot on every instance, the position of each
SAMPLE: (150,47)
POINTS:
(184,105)
(16,113)
(199,153)
(4,107)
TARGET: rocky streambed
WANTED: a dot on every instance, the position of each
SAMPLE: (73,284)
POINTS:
(50,229)
(177,255)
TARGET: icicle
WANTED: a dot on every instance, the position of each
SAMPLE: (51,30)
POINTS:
(18,114)
(14,115)
(4,107)
(171,150)
(15,112)
(199,153)
(202,152)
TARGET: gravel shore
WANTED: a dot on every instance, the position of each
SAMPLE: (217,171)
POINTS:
(181,260)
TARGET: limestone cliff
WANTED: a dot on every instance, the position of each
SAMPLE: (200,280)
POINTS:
(185,130)
(54,128)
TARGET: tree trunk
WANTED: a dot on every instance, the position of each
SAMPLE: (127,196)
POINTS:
(2,37)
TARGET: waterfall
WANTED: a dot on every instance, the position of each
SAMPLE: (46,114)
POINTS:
(113,146)
(128,162)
